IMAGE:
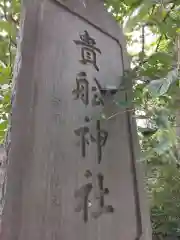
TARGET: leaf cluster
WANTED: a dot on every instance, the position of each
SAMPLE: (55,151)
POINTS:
(152,32)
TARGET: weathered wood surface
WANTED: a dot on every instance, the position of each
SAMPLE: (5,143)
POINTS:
(46,166)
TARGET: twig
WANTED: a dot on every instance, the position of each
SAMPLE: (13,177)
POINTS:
(164,20)
(118,113)
(143,44)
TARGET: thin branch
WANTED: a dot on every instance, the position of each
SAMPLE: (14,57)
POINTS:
(153,8)
(143,44)
(120,112)
(164,20)
(141,117)
(10,55)
(159,41)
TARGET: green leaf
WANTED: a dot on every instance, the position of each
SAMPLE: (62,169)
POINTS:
(138,15)
(4,25)
(5,75)
(162,118)
(162,57)
(160,87)
(3,125)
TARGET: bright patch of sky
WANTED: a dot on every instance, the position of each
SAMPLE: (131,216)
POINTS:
(136,45)
(8,4)
(3,33)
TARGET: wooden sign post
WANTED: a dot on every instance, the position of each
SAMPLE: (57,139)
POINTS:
(72,173)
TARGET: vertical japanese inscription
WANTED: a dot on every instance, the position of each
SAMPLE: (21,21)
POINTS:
(83,90)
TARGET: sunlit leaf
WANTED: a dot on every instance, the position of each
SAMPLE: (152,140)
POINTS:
(160,86)
(138,15)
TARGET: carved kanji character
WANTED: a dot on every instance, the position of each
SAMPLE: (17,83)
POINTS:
(97,99)
(86,137)
(82,196)
(88,50)
(102,208)
(82,88)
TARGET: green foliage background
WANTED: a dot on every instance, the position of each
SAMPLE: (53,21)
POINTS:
(155,75)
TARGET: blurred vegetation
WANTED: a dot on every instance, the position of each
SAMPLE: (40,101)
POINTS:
(152,29)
